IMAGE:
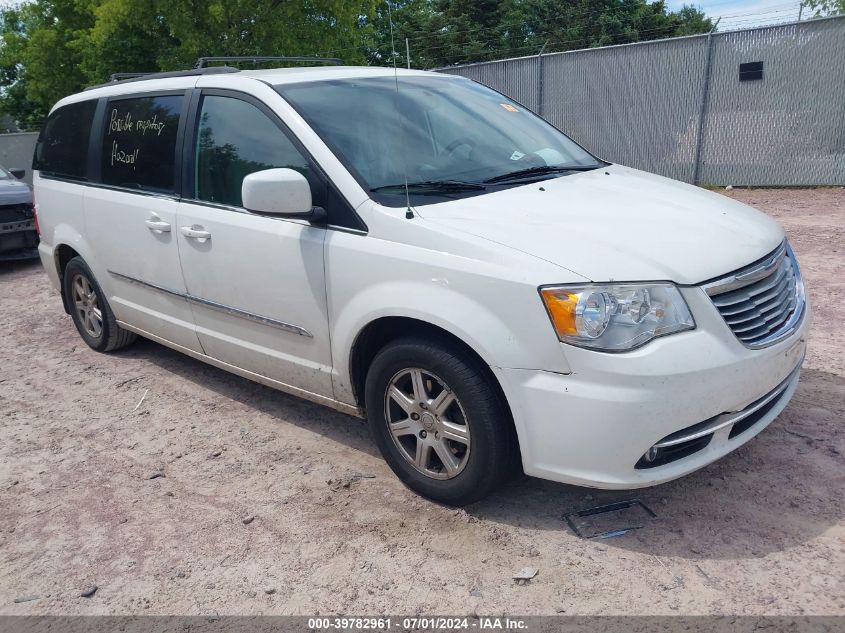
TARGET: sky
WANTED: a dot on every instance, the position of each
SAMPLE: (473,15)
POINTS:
(735,13)
(744,13)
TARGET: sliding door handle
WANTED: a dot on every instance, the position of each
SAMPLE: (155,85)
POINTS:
(157,225)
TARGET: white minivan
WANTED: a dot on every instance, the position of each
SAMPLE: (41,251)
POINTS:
(421,250)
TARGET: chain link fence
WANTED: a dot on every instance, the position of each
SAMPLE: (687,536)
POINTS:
(698,108)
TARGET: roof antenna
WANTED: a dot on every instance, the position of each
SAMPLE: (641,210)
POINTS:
(409,214)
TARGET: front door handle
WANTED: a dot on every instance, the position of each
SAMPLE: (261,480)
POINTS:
(196,232)
(157,225)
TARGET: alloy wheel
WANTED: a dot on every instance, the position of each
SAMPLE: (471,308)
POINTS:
(87,306)
(427,423)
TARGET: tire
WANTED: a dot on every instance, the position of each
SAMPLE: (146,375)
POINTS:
(92,315)
(474,434)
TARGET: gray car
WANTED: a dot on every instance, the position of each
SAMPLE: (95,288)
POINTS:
(18,234)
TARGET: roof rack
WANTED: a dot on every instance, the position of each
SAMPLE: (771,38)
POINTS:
(203,62)
(202,68)
(125,78)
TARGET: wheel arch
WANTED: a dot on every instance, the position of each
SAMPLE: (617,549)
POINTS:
(380,332)
(383,330)
(62,254)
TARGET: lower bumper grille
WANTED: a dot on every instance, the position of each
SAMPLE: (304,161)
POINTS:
(694,438)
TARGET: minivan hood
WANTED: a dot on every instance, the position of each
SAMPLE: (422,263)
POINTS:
(618,224)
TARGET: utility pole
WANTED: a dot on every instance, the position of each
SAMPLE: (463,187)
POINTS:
(705,92)
(540,78)
(408,53)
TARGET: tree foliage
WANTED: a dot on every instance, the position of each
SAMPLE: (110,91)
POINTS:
(825,7)
(447,32)
(51,48)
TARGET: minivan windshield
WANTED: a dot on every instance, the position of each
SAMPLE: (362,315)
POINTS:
(447,137)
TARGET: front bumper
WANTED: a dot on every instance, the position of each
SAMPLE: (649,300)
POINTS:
(18,240)
(592,427)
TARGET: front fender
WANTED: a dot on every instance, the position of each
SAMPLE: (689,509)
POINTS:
(495,336)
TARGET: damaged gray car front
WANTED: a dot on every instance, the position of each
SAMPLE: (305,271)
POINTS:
(18,234)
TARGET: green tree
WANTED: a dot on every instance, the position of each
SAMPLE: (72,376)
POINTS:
(825,7)
(445,32)
(262,27)
(51,48)
(691,21)
(41,55)
(126,36)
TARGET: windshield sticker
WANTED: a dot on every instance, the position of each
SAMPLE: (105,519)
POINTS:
(509,107)
(516,155)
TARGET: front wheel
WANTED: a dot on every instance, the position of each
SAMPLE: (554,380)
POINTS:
(439,423)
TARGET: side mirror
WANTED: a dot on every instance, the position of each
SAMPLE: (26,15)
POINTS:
(18,172)
(282,192)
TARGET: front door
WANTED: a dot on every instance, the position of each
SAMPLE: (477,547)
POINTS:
(131,219)
(256,283)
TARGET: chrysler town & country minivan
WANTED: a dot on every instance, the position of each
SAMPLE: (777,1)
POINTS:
(420,250)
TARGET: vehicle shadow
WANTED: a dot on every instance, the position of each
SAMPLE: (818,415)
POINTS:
(780,490)
(282,407)
(19,266)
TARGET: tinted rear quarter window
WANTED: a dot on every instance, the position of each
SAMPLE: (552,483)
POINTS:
(139,142)
(62,147)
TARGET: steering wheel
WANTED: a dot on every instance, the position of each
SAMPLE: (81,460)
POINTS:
(464,140)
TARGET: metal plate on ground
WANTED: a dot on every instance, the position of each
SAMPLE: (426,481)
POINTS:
(610,520)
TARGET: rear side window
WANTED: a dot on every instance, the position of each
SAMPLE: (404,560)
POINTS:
(139,142)
(62,147)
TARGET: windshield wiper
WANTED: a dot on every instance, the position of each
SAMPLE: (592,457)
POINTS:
(533,172)
(426,187)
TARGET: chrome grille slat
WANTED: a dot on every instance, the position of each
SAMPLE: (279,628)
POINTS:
(763,302)
(761,330)
(770,314)
(750,291)
(773,303)
(775,322)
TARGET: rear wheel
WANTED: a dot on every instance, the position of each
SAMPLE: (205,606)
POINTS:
(91,313)
(438,421)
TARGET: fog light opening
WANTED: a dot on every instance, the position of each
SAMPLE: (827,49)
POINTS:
(651,454)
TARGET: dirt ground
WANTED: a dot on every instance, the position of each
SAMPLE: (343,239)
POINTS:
(760,532)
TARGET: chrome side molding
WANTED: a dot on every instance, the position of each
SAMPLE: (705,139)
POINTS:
(255,318)
(337,405)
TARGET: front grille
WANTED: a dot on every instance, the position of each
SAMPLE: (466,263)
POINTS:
(764,302)
(15,212)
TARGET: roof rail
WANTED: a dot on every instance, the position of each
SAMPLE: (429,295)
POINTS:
(131,77)
(203,62)
(122,76)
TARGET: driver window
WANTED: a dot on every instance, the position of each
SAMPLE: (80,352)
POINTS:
(235,139)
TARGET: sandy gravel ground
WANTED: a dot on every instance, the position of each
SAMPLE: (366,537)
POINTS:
(760,532)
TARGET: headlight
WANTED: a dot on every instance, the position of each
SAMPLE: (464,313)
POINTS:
(616,317)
